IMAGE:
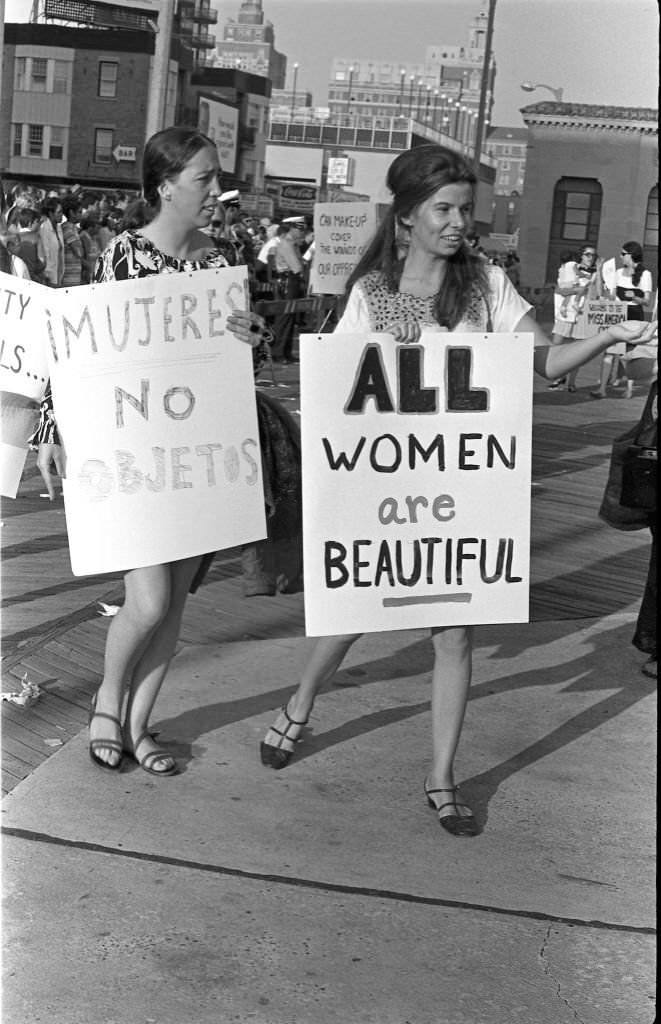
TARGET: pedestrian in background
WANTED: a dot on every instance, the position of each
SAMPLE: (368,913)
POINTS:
(441,282)
(73,246)
(30,250)
(631,283)
(578,281)
(52,242)
(288,277)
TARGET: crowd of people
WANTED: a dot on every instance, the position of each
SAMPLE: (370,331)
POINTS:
(418,270)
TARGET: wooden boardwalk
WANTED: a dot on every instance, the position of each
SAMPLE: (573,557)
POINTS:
(54,635)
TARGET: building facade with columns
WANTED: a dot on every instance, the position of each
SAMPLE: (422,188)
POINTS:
(591,176)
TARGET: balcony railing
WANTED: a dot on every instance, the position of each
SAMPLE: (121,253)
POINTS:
(203,39)
(204,13)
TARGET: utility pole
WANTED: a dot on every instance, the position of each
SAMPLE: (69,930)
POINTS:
(479,131)
(160,67)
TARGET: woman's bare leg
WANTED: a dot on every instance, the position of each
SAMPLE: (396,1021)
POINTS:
(152,667)
(451,678)
(327,656)
(147,594)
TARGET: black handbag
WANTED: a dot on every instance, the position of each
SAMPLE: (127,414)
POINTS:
(629,501)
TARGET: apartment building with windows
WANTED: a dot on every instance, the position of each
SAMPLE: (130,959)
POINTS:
(74,103)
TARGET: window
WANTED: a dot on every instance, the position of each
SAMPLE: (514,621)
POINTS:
(17,148)
(60,76)
(575,219)
(35,140)
(108,79)
(20,83)
(103,146)
(56,147)
(504,165)
(38,74)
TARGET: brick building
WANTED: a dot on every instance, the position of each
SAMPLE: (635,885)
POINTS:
(591,176)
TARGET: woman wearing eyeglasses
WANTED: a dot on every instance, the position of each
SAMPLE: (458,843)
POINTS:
(577,282)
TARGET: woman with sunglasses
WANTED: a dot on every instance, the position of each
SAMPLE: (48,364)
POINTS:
(632,284)
(577,282)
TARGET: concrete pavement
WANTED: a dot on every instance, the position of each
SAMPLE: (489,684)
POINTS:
(327,892)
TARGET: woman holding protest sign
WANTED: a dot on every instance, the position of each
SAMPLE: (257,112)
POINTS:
(419,272)
(577,283)
(180,176)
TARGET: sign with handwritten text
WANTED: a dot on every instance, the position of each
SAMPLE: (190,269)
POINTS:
(23,374)
(416,480)
(342,232)
(154,399)
(597,315)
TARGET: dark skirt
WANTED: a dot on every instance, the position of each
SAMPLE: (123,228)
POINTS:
(274,564)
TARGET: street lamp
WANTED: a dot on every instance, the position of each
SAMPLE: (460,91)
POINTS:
(351,71)
(293,95)
(530,87)
(402,79)
(411,81)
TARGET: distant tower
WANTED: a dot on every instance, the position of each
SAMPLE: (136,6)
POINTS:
(249,43)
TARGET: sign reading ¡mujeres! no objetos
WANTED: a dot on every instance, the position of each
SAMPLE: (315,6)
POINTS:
(155,402)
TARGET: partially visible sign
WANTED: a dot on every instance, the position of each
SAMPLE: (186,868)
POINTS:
(220,121)
(124,153)
(342,232)
(597,315)
(339,171)
(296,198)
(23,372)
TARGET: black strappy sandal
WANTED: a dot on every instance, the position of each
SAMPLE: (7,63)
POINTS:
(114,745)
(456,824)
(147,762)
(279,756)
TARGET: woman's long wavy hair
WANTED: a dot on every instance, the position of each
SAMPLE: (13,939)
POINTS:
(166,154)
(412,178)
(635,250)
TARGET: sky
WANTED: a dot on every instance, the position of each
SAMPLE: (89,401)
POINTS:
(597,51)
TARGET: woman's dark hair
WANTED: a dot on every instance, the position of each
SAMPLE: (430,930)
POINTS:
(50,205)
(413,177)
(70,204)
(26,216)
(136,215)
(166,154)
(635,250)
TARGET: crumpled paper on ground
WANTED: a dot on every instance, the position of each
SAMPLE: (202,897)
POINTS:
(28,695)
(108,609)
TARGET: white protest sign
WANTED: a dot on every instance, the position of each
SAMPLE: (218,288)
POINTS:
(597,315)
(342,232)
(23,373)
(155,402)
(416,480)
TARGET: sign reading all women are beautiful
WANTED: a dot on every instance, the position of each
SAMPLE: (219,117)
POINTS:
(416,480)
(155,402)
